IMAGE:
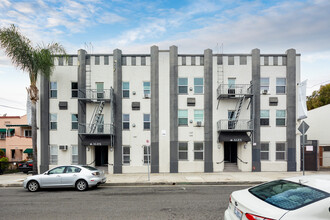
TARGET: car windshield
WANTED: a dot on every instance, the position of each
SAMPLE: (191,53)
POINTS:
(90,168)
(287,195)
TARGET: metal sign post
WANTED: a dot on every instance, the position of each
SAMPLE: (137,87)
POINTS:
(148,156)
(303,129)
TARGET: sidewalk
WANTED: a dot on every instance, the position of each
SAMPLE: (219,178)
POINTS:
(223,178)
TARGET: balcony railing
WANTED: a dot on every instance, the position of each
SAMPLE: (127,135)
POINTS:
(227,90)
(96,129)
(235,125)
(94,94)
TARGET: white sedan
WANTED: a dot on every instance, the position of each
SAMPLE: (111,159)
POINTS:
(80,177)
(303,198)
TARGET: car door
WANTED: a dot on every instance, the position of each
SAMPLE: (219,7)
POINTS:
(53,177)
(70,176)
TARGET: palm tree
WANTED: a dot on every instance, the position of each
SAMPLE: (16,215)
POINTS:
(33,60)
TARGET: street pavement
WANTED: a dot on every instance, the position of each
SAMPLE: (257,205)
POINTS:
(220,178)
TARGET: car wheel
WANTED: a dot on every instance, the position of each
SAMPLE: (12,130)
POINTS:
(81,185)
(33,186)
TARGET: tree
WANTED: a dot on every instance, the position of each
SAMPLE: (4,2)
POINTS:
(35,61)
(319,98)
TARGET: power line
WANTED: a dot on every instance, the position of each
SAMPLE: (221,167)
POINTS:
(6,106)
(318,84)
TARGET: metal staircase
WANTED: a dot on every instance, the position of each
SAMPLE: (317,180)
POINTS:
(97,117)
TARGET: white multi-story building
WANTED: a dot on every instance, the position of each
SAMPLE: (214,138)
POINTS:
(197,112)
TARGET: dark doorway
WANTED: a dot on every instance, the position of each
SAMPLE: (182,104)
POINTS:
(311,156)
(101,155)
(230,152)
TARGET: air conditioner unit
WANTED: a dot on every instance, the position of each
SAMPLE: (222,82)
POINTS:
(63,147)
(265,92)
(147,96)
(199,124)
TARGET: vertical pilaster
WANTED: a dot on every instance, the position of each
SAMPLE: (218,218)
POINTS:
(173,109)
(154,109)
(256,166)
(44,124)
(81,104)
(291,108)
(208,107)
(117,79)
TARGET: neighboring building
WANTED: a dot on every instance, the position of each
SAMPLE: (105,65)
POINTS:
(199,112)
(319,126)
(15,137)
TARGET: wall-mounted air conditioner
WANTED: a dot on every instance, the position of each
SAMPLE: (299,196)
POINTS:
(63,147)
(199,124)
(265,92)
(147,96)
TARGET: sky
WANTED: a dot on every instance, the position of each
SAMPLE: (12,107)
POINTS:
(100,26)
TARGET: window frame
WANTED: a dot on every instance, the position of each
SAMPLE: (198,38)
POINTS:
(264,151)
(264,85)
(146,90)
(197,118)
(74,154)
(184,151)
(182,85)
(125,90)
(74,122)
(279,85)
(53,161)
(198,151)
(126,155)
(264,117)
(146,154)
(146,122)
(182,124)
(97,60)
(73,91)
(53,90)
(126,121)
(29,131)
(280,118)
(281,151)
(53,122)
(198,85)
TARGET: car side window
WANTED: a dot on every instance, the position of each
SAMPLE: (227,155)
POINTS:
(72,170)
(57,170)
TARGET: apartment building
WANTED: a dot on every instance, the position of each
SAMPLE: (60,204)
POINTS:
(175,112)
(15,137)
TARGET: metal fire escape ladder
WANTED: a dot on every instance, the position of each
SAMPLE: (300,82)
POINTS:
(238,109)
(96,119)
(220,72)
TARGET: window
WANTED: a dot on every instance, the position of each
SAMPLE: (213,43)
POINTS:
(53,121)
(53,89)
(193,61)
(143,61)
(231,119)
(280,117)
(28,133)
(146,89)
(126,155)
(74,154)
(264,117)
(53,155)
(100,125)
(198,151)
(74,90)
(264,85)
(88,60)
(97,60)
(57,170)
(266,60)
(183,85)
(125,121)
(199,115)
(275,61)
(183,60)
(198,85)
(146,154)
(70,61)
(60,61)
(280,85)
(133,61)
(280,151)
(13,154)
(100,90)
(146,121)
(231,60)
(2,135)
(123,61)
(183,150)
(242,60)
(125,89)
(106,60)
(74,121)
(183,117)
(264,151)
(201,61)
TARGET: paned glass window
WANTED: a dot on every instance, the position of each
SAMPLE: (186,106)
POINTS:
(146,154)
(280,117)
(183,150)
(146,89)
(183,117)
(74,90)
(280,85)
(146,121)
(126,155)
(264,151)
(53,89)
(53,155)
(183,85)
(199,115)
(125,89)
(74,154)
(74,121)
(125,121)
(280,151)
(264,85)
(198,85)
(53,121)
(198,151)
(264,117)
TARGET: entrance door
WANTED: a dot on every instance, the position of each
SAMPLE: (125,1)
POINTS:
(101,155)
(230,152)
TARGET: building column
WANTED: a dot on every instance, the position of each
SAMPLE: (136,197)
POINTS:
(154,109)
(174,109)
(81,104)
(208,108)
(118,112)
(44,124)
(256,146)
(291,108)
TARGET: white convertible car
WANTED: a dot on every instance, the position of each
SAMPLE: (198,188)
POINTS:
(297,198)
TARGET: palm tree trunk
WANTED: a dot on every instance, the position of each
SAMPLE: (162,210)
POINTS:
(34,136)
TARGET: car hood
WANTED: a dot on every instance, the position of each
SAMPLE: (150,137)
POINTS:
(249,203)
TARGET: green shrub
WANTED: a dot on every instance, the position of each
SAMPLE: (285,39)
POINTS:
(5,165)
(2,153)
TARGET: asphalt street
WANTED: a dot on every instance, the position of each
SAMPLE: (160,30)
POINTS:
(155,202)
